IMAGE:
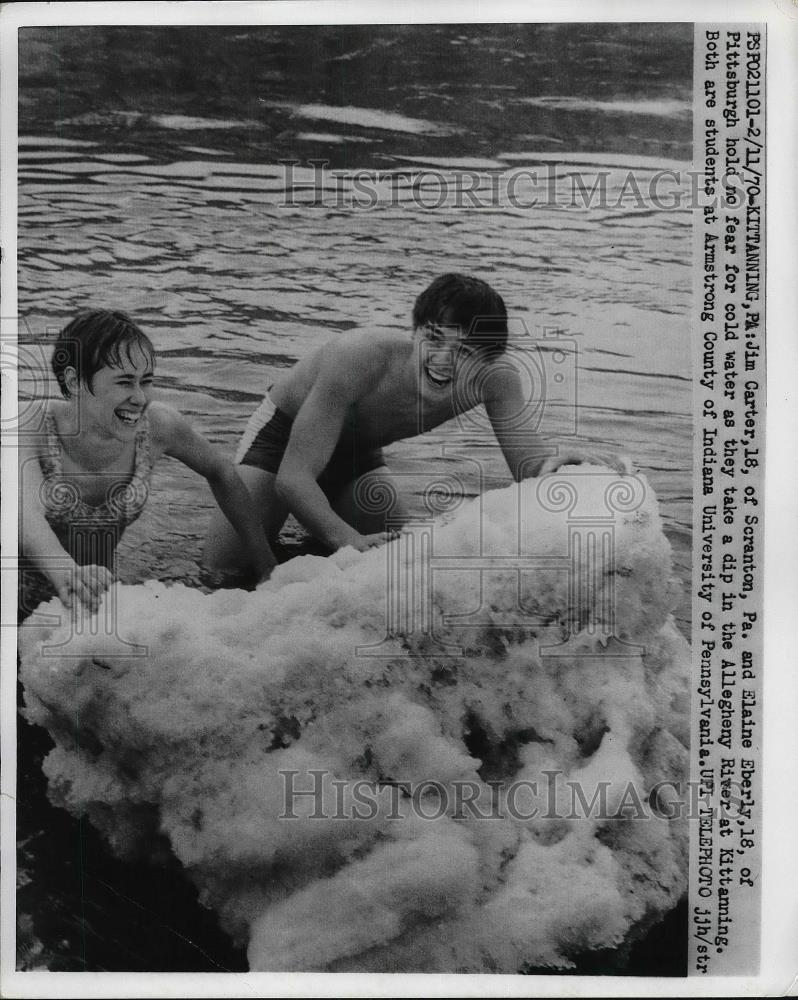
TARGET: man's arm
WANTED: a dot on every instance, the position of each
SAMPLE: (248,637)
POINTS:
(514,424)
(344,376)
(179,439)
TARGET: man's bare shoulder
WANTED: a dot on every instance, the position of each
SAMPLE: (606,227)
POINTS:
(343,370)
(361,357)
(499,378)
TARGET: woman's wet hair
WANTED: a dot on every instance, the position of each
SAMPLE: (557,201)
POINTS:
(471,304)
(95,339)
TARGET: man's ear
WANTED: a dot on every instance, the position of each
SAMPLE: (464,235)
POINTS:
(71,380)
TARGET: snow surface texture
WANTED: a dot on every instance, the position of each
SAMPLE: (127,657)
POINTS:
(189,740)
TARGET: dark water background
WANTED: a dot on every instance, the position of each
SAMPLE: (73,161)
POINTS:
(151,180)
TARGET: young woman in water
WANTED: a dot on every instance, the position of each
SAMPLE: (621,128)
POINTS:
(85,477)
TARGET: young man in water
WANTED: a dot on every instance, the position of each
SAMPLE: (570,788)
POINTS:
(321,428)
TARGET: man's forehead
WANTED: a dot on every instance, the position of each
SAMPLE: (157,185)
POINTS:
(447,324)
(447,318)
(454,334)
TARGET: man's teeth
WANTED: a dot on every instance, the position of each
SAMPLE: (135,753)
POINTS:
(437,378)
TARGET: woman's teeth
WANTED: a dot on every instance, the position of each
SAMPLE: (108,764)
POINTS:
(128,417)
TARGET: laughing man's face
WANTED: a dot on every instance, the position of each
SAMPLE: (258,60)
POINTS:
(442,353)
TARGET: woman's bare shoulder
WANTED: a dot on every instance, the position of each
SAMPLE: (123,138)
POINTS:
(164,420)
(35,424)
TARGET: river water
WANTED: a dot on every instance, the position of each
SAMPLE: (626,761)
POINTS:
(204,181)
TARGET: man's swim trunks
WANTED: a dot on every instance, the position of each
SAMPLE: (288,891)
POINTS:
(266,438)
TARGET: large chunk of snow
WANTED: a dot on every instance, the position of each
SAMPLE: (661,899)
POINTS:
(433,693)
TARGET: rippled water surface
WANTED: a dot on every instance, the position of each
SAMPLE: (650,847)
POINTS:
(153,178)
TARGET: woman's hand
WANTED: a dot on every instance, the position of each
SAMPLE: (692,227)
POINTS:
(83,585)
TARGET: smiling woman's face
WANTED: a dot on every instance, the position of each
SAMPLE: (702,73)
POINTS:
(118,397)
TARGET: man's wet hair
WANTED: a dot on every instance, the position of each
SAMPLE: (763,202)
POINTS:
(473,305)
(95,339)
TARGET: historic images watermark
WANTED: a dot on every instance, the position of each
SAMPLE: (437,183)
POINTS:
(587,562)
(554,184)
(317,794)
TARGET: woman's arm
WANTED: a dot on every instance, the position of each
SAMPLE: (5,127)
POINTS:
(39,542)
(179,439)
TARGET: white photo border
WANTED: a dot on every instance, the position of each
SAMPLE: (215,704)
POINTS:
(779,967)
